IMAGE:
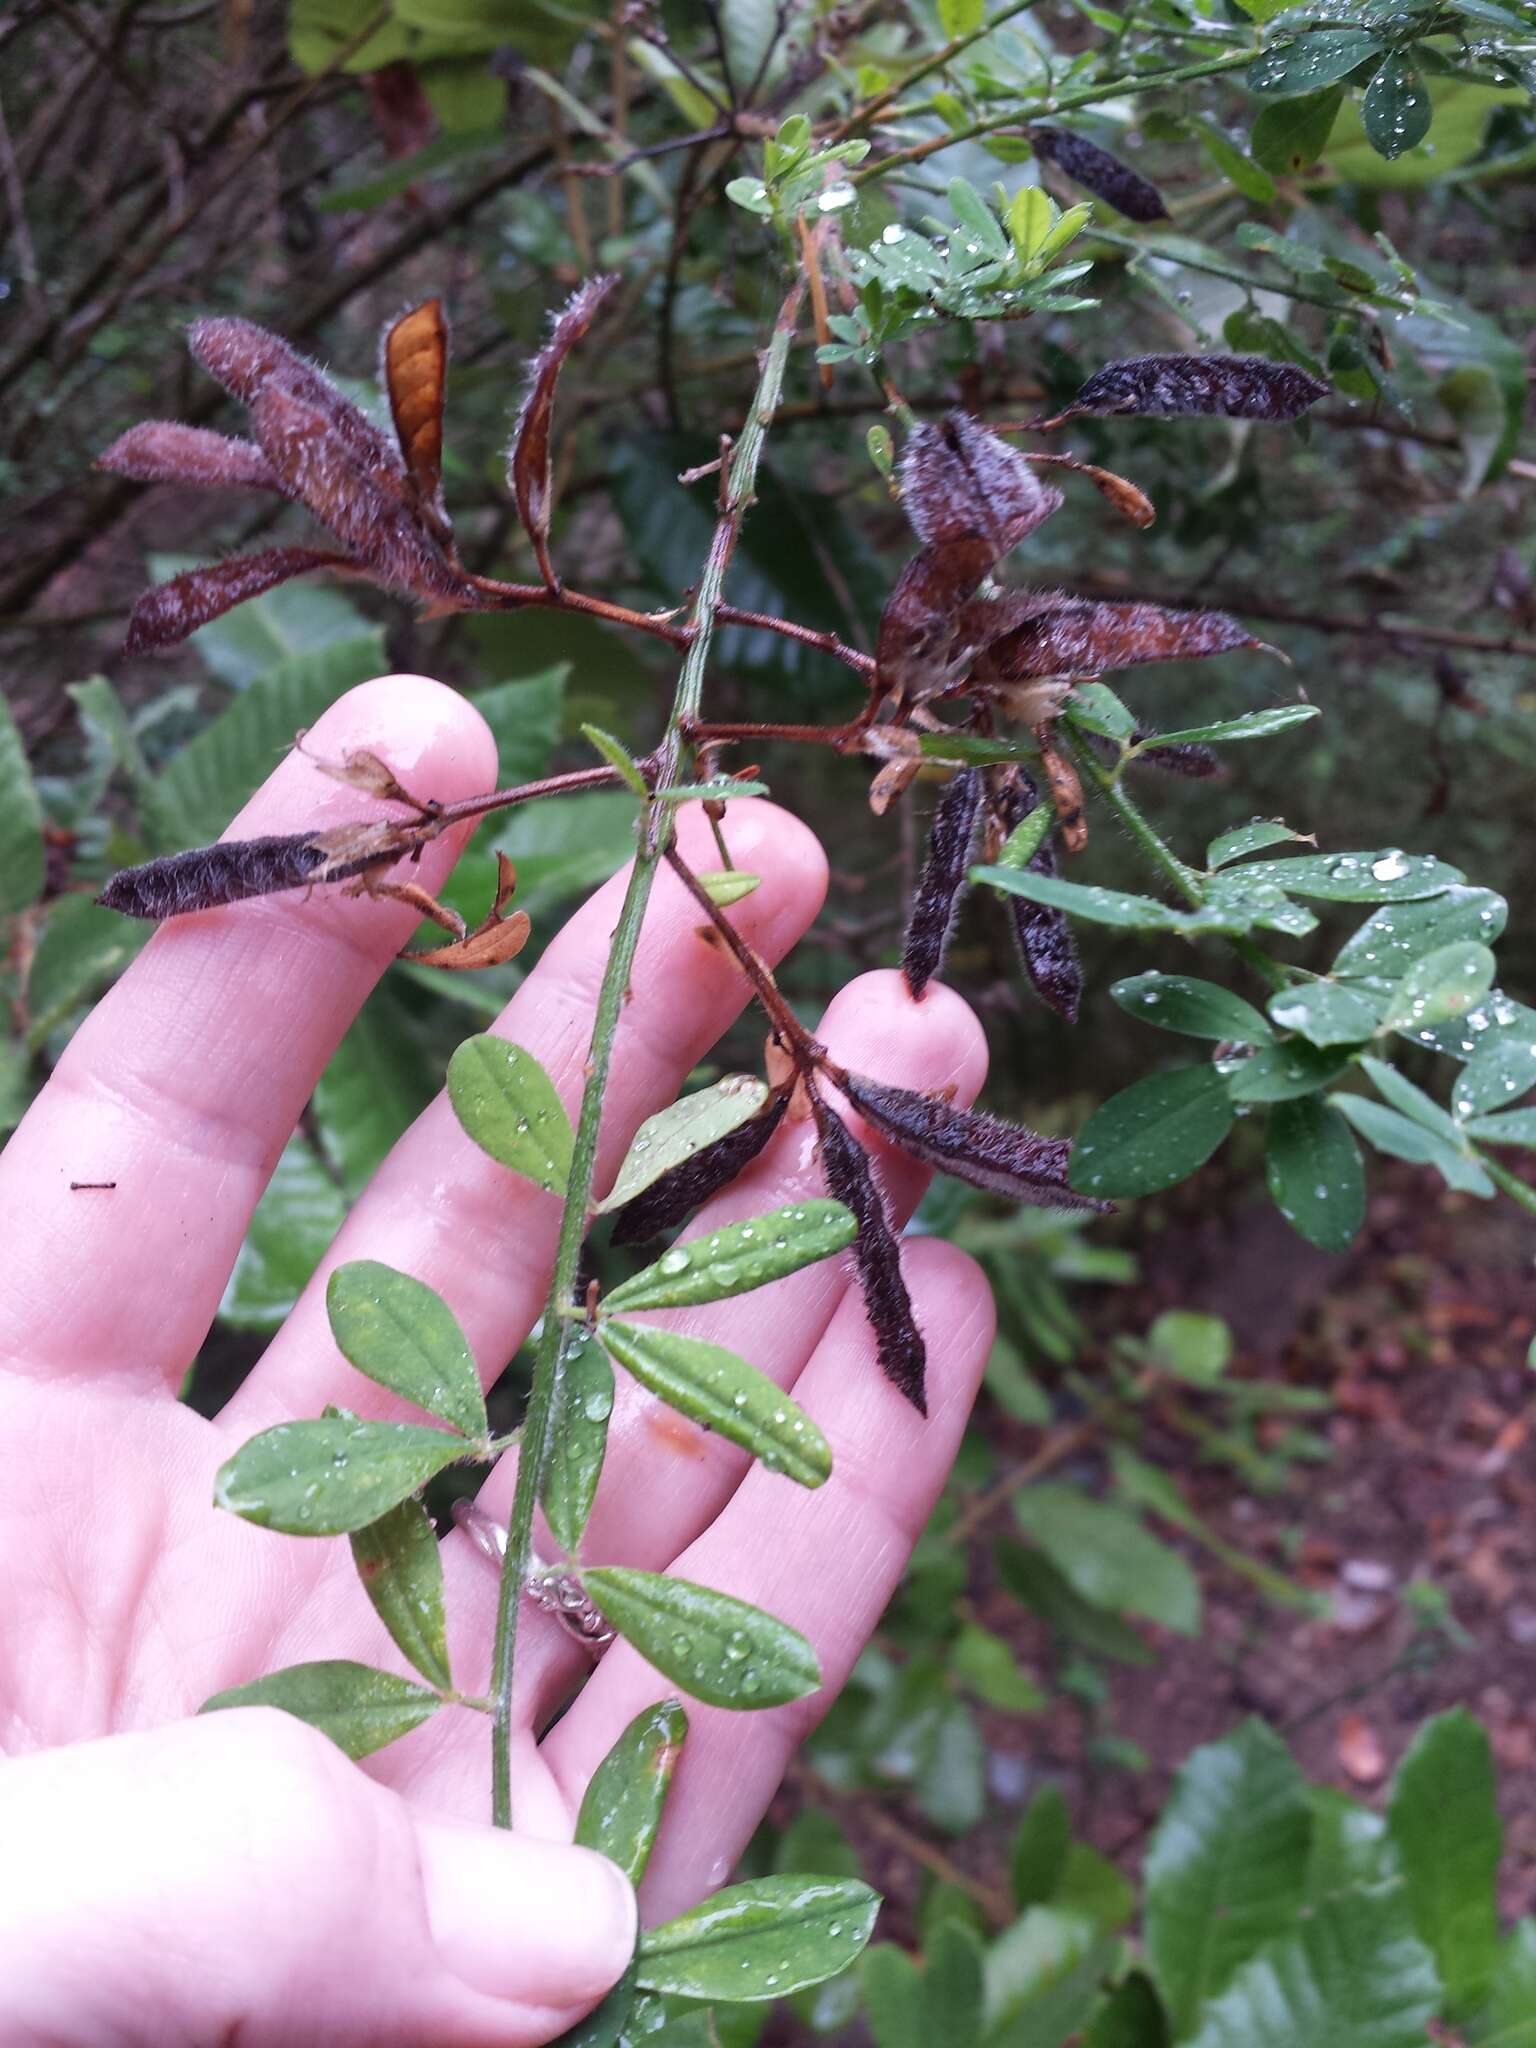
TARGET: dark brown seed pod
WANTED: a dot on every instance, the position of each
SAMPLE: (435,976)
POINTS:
(876,1255)
(969,1144)
(676,1194)
(1086,164)
(1189,757)
(236,869)
(1051,635)
(177,607)
(165,452)
(959,479)
(919,650)
(1174,387)
(943,879)
(1043,935)
(528,463)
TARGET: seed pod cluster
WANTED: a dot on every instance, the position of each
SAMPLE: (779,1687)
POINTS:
(1043,934)
(674,1195)
(1177,387)
(969,1144)
(877,1257)
(943,879)
(1100,173)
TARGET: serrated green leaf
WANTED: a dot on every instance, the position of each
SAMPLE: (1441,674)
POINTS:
(1310,62)
(718,1649)
(674,1134)
(106,721)
(524,717)
(738,1257)
(762,1939)
(1392,939)
(1037,1861)
(508,1105)
(1199,1009)
(1396,110)
(1325,1013)
(583,1403)
(1253,725)
(1226,1867)
(622,1805)
(398,1560)
(1152,1134)
(289,1234)
(359,1708)
(1353,1975)
(404,1336)
(1109,1557)
(1391,1132)
(1387,877)
(1246,839)
(716,1388)
(1277,1073)
(1314,1173)
(1443,984)
(1444,1818)
(330,1477)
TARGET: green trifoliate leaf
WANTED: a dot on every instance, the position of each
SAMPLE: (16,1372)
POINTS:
(1324,1013)
(1497,1076)
(1110,1557)
(761,1940)
(1314,1173)
(1311,62)
(1226,1866)
(403,1335)
(1510,1127)
(738,1257)
(1387,877)
(1152,1134)
(1199,1009)
(1443,984)
(359,1708)
(674,1134)
(401,1567)
(1444,1818)
(1245,839)
(1277,1073)
(331,1477)
(579,1431)
(716,1648)
(621,1808)
(1392,939)
(716,1388)
(1254,725)
(1391,1132)
(508,1105)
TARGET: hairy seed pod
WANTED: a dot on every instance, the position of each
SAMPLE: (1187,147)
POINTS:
(959,479)
(244,358)
(529,470)
(1099,173)
(674,1195)
(1189,757)
(211,875)
(919,649)
(1175,387)
(1039,633)
(1043,934)
(943,879)
(165,452)
(877,1257)
(171,610)
(969,1144)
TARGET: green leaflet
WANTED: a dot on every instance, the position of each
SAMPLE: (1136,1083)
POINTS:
(718,1649)
(1152,1134)
(359,1708)
(763,1939)
(622,1805)
(401,1567)
(1314,1172)
(403,1335)
(508,1105)
(1444,1820)
(674,1134)
(738,1257)
(328,1478)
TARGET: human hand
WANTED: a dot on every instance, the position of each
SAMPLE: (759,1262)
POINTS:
(176,1881)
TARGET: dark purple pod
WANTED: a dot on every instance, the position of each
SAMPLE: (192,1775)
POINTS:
(969,1144)
(958,478)
(674,1195)
(1043,934)
(211,875)
(877,1257)
(169,611)
(1176,387)
(920,645)
(1189,757)
(943,879)
(1086,164)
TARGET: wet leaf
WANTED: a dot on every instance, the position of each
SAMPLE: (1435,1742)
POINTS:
(1403,1138)
(877,1255)
(1443,984)
(716,1648)
(722,1392)
(622,1805)
(688,1127)
(401,1568)
(738,1257)
(1096,904)
(583,1403)
(1496,1076)
(1504,1127)
(1254,725)
(967,1143)
(1311,62)
(1314,1173)
(1385,877)
(680,1189)
(1200,1009)
(1392,939)
(530,472)
(1396,111)
(943,879)
(1290,135)
(1245,839)
(328,1478)
(1325,1013)
(1444,1818)
(403,1335)
(508,1105)
(764,1939)
(416,375)
(1178,387)
(1100,173)
(1153,1133)
(1279,1073)
(359,1708)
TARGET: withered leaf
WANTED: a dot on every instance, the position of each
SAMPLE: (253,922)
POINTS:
(969,1144)
(1046,634)
(529,469)
(677,1193)
(877,1256)
(177,607)
(1173,387)
(1043,934)
(919,649)
(164,452)
(1127,498)
(236,869)
(496,939)
(1099,173)
(942,879)
(361,768)
(1066,792)
(958,479)
(416,376)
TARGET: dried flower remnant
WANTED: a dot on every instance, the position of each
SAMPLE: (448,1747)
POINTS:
(942,880)
(877,1256)
(1100,173)
(920,650)
(1043,934)
(969,1144)
(1066,793)
(415,374)
(497,939)
(1177,387)
(529,470)
(675,1194)
(237,869)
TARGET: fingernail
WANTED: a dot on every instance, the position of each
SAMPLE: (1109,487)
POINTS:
(516,1918)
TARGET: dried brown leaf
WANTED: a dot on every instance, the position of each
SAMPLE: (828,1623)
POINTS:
(943,879)
(877,1256)
(969,1144)
(1043,934)
(1098,172)
(529,469)
(1066,792)
(919,650)
(173,609)
(1176,387)
(674,1195)
(416,376)
(491,944)
(165,452)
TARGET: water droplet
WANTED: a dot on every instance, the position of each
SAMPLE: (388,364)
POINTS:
(1391,867)
(676,1261)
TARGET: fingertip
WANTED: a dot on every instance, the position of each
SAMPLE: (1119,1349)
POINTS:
(763,839)
(935,1041)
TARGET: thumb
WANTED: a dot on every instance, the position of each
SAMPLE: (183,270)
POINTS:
(235,1877)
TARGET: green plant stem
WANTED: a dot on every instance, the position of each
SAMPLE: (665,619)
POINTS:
(1065,103)
(549,1364)
(1518,1190)
(1131,246)
(957,46)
